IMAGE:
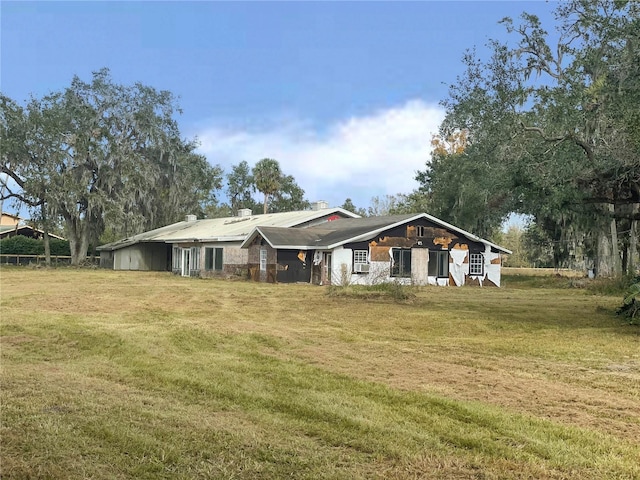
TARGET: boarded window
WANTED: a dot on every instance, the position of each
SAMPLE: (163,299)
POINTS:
(401,263)
(213,259)
(476,264)
(438,263)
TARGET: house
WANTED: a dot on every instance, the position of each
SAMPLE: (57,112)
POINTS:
(415,248)
(12,225)
(206,247)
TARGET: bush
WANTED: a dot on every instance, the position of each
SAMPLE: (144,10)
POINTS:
(631,304)
(21,245)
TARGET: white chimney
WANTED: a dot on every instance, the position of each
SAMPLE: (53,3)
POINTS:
(244,212)
(319,205)
(190,218)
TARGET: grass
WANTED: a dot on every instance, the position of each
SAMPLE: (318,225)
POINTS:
(147,375)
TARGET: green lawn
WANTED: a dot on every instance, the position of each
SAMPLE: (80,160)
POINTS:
(147,375)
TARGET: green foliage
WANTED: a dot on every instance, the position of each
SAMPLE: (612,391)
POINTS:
(546,130)
(99,153)
(631,303)
(513,240)
(21,245)
(281,192)
(240,184)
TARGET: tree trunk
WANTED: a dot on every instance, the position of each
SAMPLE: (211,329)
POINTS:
(78,239)
(45,235)
(633,240)
(603,252)
(266,202)
(616,268)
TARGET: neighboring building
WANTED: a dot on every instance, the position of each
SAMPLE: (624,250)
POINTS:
(206,247)
(11,225)
(417,248)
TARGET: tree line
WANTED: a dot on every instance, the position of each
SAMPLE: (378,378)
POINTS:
(108,161)
(548,127)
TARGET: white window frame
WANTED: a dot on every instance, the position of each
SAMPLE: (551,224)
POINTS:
(476,264)
(176,257)
(361,256)
(263,259)
(194,259)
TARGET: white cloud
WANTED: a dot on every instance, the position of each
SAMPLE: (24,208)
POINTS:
(358,157)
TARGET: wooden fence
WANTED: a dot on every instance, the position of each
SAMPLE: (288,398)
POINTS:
(56,260)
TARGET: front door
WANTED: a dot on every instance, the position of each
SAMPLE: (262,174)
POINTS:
(326,268)
(185,262)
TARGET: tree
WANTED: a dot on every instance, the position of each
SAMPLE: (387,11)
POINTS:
(349,206)
(107,153)
(289,197)
(239,187)
(553,131)
(268,179)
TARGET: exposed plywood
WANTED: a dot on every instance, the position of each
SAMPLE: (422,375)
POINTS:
(433,232)
(401,242)
(443,242)
(460,246)
(495,261)
(473,281)
(412,231)
(379,254)
(488,283)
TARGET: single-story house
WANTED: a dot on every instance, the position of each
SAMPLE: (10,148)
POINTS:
(12,225)
(415,248)
(206,247)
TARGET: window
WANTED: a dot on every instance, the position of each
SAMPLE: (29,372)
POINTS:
(420,230)
(476,264)
(360,261)
(438,263)
(213,259)
(263,259)
(194,263)
(176,258)
(401,263)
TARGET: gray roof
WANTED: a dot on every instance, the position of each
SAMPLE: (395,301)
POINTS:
(332,234)
(226,229)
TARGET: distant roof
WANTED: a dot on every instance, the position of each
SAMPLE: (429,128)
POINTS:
(226,229)
(332,234)
(26,230)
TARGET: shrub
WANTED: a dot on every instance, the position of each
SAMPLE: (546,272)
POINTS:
(631,304)
(21,245)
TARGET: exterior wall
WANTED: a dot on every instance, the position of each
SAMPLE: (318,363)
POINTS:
(142,256)
(255,273)
(234,259)
(106,259)
(422,237)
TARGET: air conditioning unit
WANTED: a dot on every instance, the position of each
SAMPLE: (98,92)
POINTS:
(361,268)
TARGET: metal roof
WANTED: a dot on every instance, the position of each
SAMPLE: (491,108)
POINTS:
(226,229)
(333,234)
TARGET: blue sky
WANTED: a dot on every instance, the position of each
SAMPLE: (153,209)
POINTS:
(345,95)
